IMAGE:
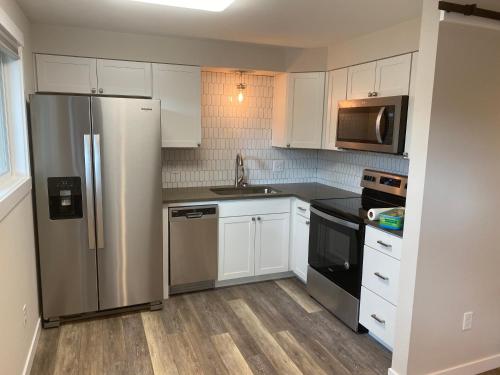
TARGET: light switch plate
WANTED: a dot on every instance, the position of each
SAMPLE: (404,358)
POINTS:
(278,165)
(467,323)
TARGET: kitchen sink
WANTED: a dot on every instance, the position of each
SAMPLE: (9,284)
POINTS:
(248,190)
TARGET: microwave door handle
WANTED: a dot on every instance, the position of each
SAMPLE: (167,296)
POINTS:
(377,125)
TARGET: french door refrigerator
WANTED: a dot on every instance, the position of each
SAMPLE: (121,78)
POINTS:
(97,176)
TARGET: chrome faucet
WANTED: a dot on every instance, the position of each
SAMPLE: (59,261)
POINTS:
(239,181)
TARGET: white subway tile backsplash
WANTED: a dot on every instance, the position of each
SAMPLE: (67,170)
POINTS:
(229,127)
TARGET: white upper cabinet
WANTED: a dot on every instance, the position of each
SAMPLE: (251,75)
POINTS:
(411,103)
(66,74)
(386,77)
(81,75)
(124,78)
(272,244)
(307,90)
(298,110)
(392,76)
(335,90)
(179,89)
(361,81)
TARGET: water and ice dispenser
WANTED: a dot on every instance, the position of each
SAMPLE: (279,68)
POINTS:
(65,198)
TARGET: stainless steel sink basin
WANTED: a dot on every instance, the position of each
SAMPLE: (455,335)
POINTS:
(249,190)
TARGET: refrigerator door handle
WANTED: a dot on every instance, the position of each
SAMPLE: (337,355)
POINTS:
(98,191)
(89,189)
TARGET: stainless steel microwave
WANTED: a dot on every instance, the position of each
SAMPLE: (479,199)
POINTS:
(375,124)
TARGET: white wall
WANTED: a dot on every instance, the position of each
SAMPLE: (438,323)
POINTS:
(18,283)
(396,40)
(450,222)
(168,49)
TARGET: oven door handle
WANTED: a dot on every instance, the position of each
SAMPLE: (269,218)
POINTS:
(334,219)
(377,125)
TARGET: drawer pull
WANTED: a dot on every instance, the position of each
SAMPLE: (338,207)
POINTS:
(375,317)
(302,209)
(383,244)
(380,276)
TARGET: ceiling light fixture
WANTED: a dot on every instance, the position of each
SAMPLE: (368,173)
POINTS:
(209,5)
(241,88)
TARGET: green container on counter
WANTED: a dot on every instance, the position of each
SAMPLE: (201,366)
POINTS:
(393,219)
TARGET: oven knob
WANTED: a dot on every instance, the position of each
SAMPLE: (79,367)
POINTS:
(346,265)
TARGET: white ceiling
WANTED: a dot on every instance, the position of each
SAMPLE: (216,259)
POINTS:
(295,23)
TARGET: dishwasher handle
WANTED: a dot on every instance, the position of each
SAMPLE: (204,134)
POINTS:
(193,212)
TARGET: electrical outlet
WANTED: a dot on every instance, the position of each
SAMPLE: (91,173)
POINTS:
(25,315)
(467,323)
(278,165)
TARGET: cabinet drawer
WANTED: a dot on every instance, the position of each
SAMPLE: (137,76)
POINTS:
(381,274)
(378,316)
(302,208)
(249,207)
(384,242)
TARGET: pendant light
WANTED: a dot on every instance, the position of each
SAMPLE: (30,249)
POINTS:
(241,88)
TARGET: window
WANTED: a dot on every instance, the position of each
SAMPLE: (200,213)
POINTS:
(4,135)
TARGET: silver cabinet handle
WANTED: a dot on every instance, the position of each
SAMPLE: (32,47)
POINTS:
(377,125)
(380,276)
(374,93)
(253,219)
(308,222)
(288,145)
(302,209)
(101,91)
(370,94)
(199,144)
(94,91)
(381,243)
(381,321)
(258,218)
(98,191)
(89,189)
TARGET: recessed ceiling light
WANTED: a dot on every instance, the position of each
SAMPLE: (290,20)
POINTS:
(210,5)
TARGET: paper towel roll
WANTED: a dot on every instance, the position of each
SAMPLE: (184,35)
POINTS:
(374,213)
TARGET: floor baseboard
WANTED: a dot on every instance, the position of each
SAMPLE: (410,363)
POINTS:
(31,354)
(474,367)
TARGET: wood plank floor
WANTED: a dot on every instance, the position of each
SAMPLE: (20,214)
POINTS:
(272,327)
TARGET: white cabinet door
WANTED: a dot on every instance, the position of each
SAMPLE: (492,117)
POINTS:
(179,89)
(361,80)
(392,76)
(336,90)
(411,103)
(124,78)
(280,129)
(300,246)
(236,247)
(64,74)
(306,112)
(272,243)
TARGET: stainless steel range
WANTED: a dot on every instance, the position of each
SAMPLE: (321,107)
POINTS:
(336,243)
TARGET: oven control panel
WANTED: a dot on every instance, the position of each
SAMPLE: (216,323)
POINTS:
(386,182)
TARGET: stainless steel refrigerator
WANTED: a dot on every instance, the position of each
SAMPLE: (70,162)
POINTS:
(97,175)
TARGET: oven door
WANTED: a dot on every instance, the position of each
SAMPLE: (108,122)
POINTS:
(336,250)
(376,124)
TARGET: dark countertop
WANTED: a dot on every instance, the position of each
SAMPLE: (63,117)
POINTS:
(305,191)
(375,224)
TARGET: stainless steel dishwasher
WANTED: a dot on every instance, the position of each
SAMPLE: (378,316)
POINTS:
(193,234)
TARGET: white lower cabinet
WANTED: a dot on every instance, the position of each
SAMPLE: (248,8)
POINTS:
(236,247)
(254,238)
(380,284)
(272,244)
(300,246)
(378,316)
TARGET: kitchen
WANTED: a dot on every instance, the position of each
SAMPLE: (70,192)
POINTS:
(233,234)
